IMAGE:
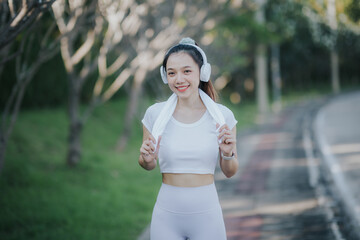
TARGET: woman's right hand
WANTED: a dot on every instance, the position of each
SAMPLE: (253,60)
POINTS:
(148,151)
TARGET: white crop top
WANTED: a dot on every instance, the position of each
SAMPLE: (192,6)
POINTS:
(188,148)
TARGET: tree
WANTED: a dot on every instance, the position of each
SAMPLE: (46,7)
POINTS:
(276,76)
(76,23)
(283,19)
(334,57)
(19,18)
(93,38)
(321,14)
(247,25)
(261,66)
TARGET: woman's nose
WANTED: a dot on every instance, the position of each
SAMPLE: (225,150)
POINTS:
(179,78)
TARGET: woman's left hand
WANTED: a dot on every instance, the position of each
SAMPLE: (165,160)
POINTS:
(228,140)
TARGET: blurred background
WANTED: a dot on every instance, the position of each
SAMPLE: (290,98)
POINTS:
(76,77)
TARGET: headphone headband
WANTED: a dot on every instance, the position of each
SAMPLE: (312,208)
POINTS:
(202,53)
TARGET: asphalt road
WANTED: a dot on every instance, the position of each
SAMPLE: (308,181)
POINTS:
(272,196)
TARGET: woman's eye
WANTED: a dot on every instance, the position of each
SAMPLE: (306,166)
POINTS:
(171,73)
(187,71)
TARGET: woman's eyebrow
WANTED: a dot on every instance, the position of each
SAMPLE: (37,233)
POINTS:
(170,68)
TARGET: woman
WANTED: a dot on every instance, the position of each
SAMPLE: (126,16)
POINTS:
(189,134)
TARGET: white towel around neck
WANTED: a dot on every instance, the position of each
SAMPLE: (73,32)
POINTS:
(169,108)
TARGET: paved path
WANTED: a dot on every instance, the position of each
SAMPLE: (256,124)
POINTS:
(271,196)
(337,132)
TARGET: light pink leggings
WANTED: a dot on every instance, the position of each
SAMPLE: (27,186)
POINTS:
(192,213)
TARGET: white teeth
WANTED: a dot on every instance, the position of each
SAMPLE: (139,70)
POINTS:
(182,87)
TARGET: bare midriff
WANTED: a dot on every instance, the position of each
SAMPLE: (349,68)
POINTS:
(187,179)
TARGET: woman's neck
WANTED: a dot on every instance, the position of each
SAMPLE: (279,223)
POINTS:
(189,110)
(193,102)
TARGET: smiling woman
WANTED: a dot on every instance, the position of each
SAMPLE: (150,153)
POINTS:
(189,134)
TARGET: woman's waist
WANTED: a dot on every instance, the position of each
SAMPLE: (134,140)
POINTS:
(187,199)
(187,179)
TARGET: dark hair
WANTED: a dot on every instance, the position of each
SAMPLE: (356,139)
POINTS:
(207,87)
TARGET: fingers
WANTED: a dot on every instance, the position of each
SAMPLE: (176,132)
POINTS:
(229,140)
(225,126)
(147,147)
(151,138)
(225,134)
(223,131)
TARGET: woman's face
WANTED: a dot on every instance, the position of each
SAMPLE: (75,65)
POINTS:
(183,74)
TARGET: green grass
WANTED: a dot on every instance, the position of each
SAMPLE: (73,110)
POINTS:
(107,196)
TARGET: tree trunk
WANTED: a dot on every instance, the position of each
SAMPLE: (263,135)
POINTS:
(261,69)
(75,123)
(130,114)
(74,151)
(276,77)
(334,59)
(12,108)
(3,143)
(335,78)
(261,82)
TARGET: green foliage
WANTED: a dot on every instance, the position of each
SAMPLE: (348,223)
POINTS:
(303,43)
(353,10)
(47,89)
(304,38)
(283,17)
(243,24)
(49,86)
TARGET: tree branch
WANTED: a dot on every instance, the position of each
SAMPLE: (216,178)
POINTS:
(116,85)
(20,21)
(84,49)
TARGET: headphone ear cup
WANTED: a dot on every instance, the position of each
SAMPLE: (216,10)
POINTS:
(205,72)
(163,75)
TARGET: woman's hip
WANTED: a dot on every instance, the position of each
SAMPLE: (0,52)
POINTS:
(187,200)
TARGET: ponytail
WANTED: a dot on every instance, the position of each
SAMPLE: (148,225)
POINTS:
(209,89)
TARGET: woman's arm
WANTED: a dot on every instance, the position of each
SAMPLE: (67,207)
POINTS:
(228,149)
(148,155)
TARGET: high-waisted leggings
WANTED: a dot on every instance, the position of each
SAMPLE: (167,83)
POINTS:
(187,213)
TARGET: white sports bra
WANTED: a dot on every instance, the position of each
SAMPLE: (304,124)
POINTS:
(188,148)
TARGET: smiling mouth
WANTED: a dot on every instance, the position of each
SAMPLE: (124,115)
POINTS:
(182,88)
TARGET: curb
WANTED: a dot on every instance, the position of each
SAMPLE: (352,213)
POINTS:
(345,196)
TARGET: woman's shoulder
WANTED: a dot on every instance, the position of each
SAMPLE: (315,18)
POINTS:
(155,108)
(228,115)
(224,109)
(151,115)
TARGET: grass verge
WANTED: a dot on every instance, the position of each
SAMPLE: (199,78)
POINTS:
(107,196)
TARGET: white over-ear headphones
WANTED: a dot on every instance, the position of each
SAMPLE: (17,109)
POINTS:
(205,69)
